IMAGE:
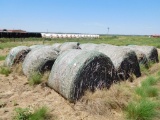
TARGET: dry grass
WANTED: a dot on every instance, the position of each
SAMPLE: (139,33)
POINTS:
(107,102)
(18,69)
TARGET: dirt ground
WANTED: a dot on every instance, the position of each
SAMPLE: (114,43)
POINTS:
(16,92)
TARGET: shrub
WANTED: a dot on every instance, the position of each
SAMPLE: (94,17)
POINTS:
(36,78)
(143,110)
(5,71)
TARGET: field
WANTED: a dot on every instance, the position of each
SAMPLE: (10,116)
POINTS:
(137,100)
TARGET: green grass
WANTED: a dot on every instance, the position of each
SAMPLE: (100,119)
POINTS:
(147,91)
(145,107)
(143,110)
(5,70)
(147,88)
(27,114)
(35,78)
(39,114)
(22,114)
(149,81)
(109,39)
(2,58)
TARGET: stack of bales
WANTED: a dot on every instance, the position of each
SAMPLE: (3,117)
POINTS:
(77,68)
(75,71)
(16,55)
(124,60)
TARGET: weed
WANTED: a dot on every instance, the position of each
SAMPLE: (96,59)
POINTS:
(143,110)
(36,78)
(5,70)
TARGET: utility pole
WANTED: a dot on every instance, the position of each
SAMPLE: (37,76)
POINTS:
(108,30)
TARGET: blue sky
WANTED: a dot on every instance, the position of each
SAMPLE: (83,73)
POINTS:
(140,17)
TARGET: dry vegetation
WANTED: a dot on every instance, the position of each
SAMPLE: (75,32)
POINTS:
(112,104)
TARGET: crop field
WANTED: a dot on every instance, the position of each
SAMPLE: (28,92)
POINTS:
(30,98)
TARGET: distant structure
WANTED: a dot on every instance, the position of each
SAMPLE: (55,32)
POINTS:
(13,31)
(53,35)
(4,33)
(155,36)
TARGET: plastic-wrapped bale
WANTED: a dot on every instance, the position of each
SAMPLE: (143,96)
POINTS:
(150,52)
(39,60)
(89,46)
(142,59)
(69,45)
(33,47)
(75,71)
(124,60)
(57,46)
(16,55)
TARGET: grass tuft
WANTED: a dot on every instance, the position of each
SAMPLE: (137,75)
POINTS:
(39,114)
(147,91)
(143,110)
(27,114)
(5,70)
(35,79)
(22,114)
(2,58)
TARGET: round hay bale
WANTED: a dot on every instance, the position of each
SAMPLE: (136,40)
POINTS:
(69,45)
(142,59)
(150,52)
(75,71)
(124,60)
(33,47)
(16,55)
(39,60)
(57,46)
(88,46)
